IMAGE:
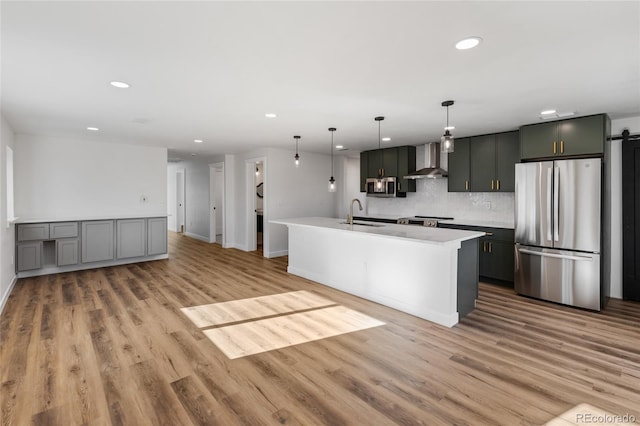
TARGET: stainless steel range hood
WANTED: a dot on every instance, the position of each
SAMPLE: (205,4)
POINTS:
(432,163)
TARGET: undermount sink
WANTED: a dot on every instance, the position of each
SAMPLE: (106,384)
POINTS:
(363,224)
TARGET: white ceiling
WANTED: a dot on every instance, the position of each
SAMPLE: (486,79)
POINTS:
(211,70)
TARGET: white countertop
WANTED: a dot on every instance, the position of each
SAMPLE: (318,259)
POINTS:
(423,234)
(86,218)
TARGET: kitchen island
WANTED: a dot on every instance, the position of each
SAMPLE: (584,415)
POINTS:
(431,273)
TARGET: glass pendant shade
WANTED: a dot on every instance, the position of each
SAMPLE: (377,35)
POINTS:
(332,184)
(332,181)
(297,156)
(446,142)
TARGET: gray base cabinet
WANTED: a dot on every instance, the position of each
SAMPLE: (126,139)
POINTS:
(29,256)
(131,238)
(53,247)
(97,241)
(67,251)
(156,235)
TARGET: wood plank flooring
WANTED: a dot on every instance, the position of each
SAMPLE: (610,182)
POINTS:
(111,346)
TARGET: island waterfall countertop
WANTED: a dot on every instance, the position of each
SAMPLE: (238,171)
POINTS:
(441,236)
(431,273)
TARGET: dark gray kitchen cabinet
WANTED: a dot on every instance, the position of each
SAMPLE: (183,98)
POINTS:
(495,251)
(406,165)
(364,170)
(458,161)
(97,241)
(394,162)
(492,162)
(572,137)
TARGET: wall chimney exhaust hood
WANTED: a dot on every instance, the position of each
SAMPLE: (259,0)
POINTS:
(432,162)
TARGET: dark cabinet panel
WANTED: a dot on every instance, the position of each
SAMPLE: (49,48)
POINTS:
(482,163)
(577,136)
(364,170)
(507,155)
(458,160)
(395,162)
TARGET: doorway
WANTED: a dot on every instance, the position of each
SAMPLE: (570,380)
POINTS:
(630,216)
(257,232)
(180,200)
(216,204)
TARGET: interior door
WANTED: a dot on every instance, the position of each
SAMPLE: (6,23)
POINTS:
(534,205)
(631,219)
(577,207)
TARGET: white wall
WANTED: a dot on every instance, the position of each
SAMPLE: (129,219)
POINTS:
(60,178)
(296,192)
(349,187)
(7,233)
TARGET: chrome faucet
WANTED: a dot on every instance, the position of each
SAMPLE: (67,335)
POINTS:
(350,218)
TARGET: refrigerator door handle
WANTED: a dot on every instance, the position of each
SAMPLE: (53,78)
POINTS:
(556,203)
(554,255)
(549,225)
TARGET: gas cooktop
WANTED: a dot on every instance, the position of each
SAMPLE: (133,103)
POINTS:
(434,217)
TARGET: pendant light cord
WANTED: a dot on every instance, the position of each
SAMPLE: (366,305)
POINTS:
(332,153)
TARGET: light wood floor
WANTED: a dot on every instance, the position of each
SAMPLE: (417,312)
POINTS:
(111,346)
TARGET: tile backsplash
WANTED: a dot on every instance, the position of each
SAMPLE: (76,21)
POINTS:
(432,199)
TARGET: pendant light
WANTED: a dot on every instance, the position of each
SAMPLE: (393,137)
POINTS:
(381,169)
(446,141)
(332,181)
(297,157)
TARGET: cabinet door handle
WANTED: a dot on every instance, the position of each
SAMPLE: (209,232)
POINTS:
(490,247)
(555,147)
(498,184)
(492,184)
(561,147)
(466,185)
(484,246)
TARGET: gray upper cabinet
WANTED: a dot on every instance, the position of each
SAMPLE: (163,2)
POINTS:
(97,241)
(156,235)
(33,231)
(63,230)
(131,238)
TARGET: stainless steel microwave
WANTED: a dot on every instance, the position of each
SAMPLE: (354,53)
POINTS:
(383,187)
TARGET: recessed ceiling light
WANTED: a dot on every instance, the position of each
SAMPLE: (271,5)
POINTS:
(339,146)
(548,111)
(468,43)
(119,84)
(93,129)
(197,140)
(193,154)
(386,139)
(270,115)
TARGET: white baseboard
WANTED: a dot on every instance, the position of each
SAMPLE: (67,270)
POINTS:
(197,237)
(5,296)
(278,253)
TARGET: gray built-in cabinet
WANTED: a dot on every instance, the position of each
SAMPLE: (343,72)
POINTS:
(51,247)
(397,162)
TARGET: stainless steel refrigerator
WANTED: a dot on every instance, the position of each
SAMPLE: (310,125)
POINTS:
(558,231)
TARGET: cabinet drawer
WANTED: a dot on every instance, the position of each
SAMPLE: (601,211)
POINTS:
(63,230)
(33,231)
